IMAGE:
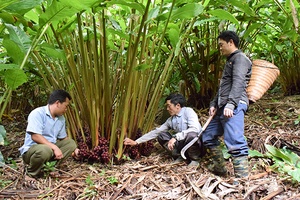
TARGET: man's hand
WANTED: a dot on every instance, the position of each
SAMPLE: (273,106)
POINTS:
(171,144)
(228,112)
(128,141)
(212,111)
(39,139)
(57,153)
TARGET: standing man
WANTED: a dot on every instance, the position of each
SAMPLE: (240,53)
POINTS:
(228,108)
(46,138)
(177,131)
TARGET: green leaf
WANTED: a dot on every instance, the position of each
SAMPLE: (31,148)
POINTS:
(79,4)
(7,17)
(5,3)
(142,67)
(133,5)
(224,15)
(8,66)
(121,34)
(204,21)
(295,159)
(187,11)
(277,153)
(255,153)
(14,78)
(21,7)
(206,2)
(2,135)
(14,51)
(57,12)
(243,6)
(279,47)
(52,52)
(173,34)
(295,173)
(19,36)
(153,13)
(251,28)
(1,160)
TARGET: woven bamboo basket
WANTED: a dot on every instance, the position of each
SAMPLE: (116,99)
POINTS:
(263,75)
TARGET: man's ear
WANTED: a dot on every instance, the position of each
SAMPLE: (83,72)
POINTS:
(57,102)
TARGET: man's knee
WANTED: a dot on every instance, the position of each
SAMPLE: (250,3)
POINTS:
(42,153)
(72,144)
(162,138)
(190,136)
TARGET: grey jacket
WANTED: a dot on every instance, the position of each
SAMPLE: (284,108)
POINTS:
(234,81)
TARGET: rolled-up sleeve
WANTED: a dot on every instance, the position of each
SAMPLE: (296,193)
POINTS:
(154,133)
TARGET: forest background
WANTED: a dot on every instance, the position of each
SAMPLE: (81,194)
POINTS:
(120,59)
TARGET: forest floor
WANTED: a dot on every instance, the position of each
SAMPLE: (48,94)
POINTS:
(271,120)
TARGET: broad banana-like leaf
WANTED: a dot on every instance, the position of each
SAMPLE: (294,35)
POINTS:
(52,52)
(137,6)
(224,15)
(57,11)
(13,75)
(251,28)
(5,3)
(21,7)
(188,11)
(13,50)
(243,6)
(19,36)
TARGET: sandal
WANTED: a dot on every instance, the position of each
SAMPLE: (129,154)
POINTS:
(30,183)
(75,154)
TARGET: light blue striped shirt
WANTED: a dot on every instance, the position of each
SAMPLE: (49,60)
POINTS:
(41,122)
(185,122)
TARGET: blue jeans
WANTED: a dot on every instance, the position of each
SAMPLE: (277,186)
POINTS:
(232,129)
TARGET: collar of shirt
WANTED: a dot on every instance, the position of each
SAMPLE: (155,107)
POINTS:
(47,110)
(180,112)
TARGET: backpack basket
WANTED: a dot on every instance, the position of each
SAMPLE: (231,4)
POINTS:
(263,75)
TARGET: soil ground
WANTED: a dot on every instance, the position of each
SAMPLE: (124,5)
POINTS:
(271,120)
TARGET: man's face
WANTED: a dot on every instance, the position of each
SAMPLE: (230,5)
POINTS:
(172,109)
(61,108)
(226,48)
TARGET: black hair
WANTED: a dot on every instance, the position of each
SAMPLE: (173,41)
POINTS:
(230,35)
(60,95)
(176,98)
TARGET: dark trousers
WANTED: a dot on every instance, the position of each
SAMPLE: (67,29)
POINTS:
(195,152)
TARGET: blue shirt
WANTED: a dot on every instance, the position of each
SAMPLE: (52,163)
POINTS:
(41,122)
(185,122)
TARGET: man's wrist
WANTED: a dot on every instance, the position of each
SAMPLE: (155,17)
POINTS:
(175,137)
